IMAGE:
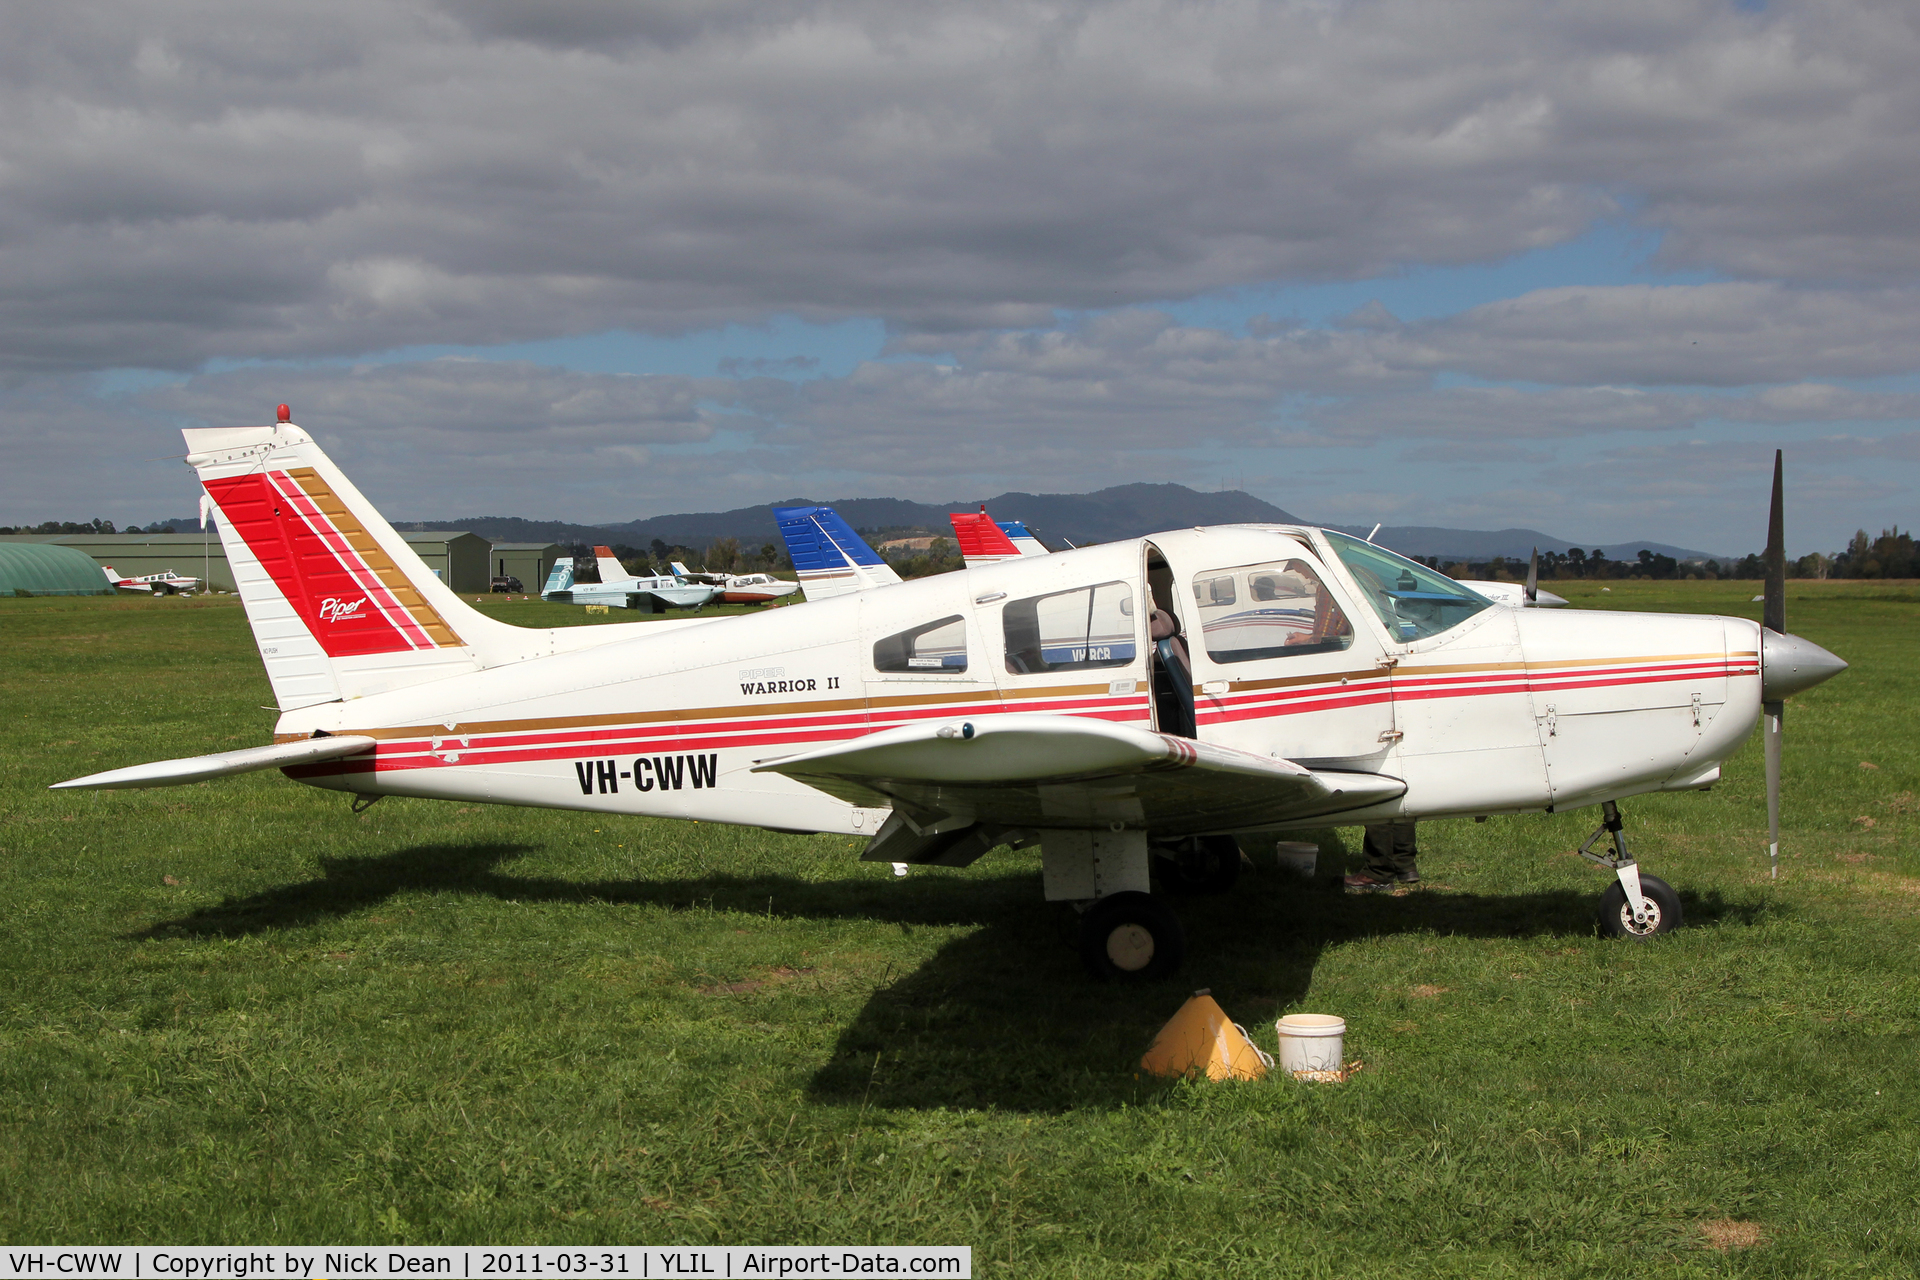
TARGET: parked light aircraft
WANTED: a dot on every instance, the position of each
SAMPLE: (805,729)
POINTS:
(622,590)
(984,540)
(829,558)
(1029,702)
(1519,595)
(159,584)
(743,588)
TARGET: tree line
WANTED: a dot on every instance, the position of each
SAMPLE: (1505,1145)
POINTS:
(1891,555)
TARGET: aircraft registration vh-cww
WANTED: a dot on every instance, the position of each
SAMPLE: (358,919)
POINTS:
(1127,707)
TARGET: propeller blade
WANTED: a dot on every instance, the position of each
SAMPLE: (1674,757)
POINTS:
(1773,712)
(1773,614)
(1533,578)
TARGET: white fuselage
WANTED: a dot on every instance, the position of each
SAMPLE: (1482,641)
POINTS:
(1509,711)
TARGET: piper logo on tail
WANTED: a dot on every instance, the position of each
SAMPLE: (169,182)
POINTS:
(333,609)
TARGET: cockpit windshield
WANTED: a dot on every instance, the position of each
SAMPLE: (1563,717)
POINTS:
(1412,600)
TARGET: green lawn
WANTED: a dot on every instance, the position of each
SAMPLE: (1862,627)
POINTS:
(236,1012)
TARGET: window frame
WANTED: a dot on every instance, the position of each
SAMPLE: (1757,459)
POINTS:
(909,634)
(1130,611)
(1276,653)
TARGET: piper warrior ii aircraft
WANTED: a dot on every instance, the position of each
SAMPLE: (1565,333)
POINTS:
(1045,700)
(159,584)
(623,590)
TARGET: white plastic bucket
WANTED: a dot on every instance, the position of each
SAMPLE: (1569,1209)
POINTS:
(1298,857)
(1311,1041)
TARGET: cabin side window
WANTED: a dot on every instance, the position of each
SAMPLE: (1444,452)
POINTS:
(1070,630)
(1276,610)
(931,647)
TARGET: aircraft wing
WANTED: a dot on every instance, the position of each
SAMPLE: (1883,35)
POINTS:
(1070,771)
(174,773)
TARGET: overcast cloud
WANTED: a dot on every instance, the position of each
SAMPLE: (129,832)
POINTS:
(1019,192)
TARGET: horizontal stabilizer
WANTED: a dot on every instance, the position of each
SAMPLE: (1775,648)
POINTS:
(174,773)
(1074,772)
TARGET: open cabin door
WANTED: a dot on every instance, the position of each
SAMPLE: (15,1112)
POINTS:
(1279,666)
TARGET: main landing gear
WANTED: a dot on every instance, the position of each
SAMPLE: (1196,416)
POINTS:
(1126,934)
(1634,906)
(1131,937)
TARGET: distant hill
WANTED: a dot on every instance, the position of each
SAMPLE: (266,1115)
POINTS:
(1125,511)
(1514,544)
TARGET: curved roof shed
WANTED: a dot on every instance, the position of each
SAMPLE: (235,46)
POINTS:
(47,569)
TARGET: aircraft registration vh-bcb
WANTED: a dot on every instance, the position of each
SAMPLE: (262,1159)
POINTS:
(1046,699)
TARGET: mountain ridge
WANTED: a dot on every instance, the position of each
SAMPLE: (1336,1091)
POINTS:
(1105,515)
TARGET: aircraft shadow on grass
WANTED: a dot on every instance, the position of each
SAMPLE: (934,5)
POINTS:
(1003,1017)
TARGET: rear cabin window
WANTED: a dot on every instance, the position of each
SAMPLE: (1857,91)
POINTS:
(932,647)
(1276,610)
(1070,630)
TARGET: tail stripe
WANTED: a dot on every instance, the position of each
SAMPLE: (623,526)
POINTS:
(362,556)
(351,559)
(326,563)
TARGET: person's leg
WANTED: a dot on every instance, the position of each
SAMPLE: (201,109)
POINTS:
(1390,857)
(1404,851)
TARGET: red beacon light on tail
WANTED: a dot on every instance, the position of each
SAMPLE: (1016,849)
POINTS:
(286,414)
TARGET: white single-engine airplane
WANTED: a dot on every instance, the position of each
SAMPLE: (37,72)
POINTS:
(1028,702)
(159,584)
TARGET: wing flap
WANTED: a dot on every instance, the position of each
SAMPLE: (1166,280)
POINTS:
(174,773)
(1068,771)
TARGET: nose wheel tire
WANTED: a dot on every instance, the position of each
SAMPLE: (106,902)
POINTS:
(1131,937)
(1662,909)
(1198,865)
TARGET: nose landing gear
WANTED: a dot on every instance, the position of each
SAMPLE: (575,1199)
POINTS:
(1635,905)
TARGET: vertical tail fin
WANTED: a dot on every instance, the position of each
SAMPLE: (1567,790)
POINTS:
(981,540)
(1022,537)
(829,558)
(611,570)
(561,576)
(341,606)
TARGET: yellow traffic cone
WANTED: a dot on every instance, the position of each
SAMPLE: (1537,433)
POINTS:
(1202,1038)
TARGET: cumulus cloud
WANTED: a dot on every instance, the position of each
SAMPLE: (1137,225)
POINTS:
(218,179)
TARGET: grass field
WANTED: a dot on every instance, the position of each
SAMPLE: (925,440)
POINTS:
(236,1012)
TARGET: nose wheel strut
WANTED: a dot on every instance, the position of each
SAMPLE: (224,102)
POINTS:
(1636,905)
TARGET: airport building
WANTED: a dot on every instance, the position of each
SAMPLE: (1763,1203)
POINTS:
(38,569)
(530,562)
(464,561)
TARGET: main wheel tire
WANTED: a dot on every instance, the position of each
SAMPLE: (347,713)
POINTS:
(1201,865)
(1131,937)
(1662,907)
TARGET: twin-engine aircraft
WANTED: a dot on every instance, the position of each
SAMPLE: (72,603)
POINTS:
(1127,707)
(159,584)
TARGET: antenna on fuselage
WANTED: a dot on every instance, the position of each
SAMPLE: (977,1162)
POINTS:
(1376,529)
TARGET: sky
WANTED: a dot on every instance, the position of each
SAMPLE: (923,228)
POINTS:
(1575,266)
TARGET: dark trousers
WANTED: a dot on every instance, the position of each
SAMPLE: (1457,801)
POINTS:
(1390,850)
